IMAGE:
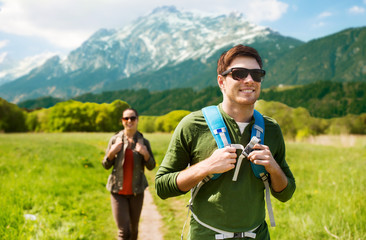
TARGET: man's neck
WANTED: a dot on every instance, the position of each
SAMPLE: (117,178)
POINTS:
(240,113)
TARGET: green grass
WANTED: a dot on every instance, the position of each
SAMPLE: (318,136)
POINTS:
(330,195)
(59,179)
(329,202)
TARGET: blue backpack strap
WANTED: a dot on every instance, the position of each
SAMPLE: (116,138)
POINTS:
(258,131)
(217,126)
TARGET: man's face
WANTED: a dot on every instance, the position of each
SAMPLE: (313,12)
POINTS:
(242,92)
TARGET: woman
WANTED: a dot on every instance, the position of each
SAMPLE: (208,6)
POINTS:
(128,152)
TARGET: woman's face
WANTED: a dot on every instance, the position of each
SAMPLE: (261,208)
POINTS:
(129,120)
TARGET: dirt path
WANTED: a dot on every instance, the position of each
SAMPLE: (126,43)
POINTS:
(150,222)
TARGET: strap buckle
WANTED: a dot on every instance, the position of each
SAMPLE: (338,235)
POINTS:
(239,235)
(264,177)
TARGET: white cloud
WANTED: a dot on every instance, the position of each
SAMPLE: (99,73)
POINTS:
(325,15)
(265,10)
(319,24)
(356,10)
(68,23)
(3,56)
(3,43)
(21,18)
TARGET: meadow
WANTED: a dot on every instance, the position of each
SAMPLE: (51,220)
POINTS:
(52,186)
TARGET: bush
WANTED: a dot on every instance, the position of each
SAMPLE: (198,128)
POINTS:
(12,118)
(169,122)
(73,116)
(147,124)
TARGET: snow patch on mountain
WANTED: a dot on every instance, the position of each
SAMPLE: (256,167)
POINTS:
(11,69)
(164,37)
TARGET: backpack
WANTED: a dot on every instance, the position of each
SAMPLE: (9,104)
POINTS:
(221,135)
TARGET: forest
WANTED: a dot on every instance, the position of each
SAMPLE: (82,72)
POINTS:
(324,99)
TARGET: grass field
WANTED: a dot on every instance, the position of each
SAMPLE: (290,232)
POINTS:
(59,181)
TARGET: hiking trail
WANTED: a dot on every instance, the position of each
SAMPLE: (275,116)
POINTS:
(150,221)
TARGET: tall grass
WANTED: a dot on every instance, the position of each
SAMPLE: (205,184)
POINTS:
(58,179)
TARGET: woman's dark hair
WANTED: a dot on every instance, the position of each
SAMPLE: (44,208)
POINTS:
(132,109)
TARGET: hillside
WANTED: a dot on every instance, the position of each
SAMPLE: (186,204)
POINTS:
(339,57)
(322,99)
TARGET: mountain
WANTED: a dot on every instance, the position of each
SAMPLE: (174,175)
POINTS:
(338,57)
(163,50)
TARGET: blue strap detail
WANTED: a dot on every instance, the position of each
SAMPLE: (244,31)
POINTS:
(216,124)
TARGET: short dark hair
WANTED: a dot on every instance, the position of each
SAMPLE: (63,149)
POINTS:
(132,109)
(237,51)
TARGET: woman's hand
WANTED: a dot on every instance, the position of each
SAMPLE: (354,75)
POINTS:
(115,148)
(142,149)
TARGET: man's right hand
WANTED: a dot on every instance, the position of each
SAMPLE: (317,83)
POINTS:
(221,160)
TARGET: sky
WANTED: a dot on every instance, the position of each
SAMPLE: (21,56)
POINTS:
(31,29)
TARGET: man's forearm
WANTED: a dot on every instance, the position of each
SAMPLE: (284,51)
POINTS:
(278,180)
(190,177)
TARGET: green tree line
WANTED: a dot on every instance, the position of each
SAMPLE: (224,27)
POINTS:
(73,116)
(322,99)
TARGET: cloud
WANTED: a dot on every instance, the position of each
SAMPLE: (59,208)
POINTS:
(319,24)
(325,14)
(3,56)
(265,10)
(68,23)
(3,43)
(356,10)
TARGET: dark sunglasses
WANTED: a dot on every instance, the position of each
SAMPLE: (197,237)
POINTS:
(242,73)
(129,118)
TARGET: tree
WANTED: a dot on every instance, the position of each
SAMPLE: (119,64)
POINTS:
(12,118)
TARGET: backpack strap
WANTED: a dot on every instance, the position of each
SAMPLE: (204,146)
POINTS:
(217,126)
(218,129)
(258,131)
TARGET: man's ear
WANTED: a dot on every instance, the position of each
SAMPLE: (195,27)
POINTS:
(220,81)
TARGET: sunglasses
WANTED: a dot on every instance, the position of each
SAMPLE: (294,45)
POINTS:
(129,118)
(242,73)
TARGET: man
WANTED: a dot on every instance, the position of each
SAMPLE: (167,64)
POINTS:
(235,207)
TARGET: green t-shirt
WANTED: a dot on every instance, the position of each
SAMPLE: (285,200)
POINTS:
(230,206)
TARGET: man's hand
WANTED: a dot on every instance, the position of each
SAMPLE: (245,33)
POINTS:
(263,156)
(222,160)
